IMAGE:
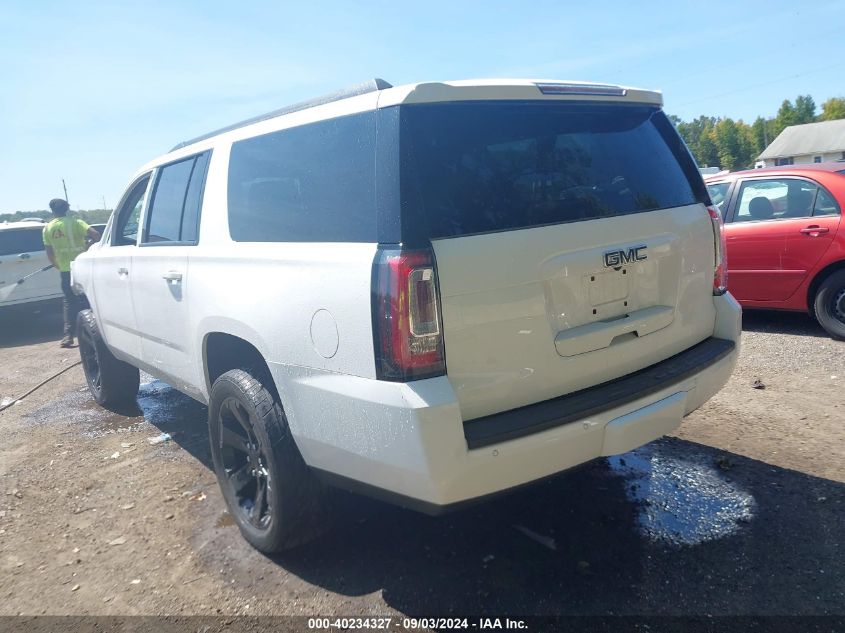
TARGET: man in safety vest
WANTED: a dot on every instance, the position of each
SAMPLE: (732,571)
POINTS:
(64,239)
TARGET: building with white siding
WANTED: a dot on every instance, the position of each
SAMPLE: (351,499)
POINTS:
(809,143)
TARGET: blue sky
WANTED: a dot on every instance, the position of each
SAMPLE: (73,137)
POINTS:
(89,91)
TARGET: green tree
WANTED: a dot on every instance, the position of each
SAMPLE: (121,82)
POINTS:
(734,144)
(805,109)
(786,116)
(832,109)
(698,135)
(728,145)
(760,135)
(92,216)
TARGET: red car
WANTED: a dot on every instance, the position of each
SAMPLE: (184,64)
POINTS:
(786,249)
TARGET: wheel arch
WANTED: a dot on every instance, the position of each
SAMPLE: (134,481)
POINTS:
(223,352)
(823,274)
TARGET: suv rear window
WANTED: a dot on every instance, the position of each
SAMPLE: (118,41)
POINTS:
(17,241)
(481,167)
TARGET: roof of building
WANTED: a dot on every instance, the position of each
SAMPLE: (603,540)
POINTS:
(810,138)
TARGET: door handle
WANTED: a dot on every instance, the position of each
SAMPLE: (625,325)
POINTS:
(815,230)
(123,272)
(24,256)
(172,276)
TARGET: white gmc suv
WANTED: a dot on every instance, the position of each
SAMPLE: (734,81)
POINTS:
(430,293)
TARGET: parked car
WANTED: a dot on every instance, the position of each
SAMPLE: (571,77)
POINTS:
(786,249)
(430,293)
(22,256)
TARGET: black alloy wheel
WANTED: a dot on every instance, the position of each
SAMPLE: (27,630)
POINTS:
(276,500)
(245,465)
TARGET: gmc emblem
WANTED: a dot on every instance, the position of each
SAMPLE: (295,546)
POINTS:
(617,259)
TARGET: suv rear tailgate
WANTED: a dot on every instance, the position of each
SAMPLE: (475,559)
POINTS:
(533,314)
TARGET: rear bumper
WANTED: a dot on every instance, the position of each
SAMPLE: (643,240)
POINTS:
(407,442)
(509,425)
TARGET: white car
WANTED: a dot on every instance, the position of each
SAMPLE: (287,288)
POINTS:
(430,293)
(22,257)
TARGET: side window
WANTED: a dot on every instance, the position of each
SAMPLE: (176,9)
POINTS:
(775,199)
(312,183)
(825,204)
(21,241)
(176,201)
(719,195)
(125,231)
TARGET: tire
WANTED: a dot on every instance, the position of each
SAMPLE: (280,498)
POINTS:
(112,382)
(275,499)
(829,304)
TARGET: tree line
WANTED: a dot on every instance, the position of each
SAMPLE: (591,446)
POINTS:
(729,144)
(91,216)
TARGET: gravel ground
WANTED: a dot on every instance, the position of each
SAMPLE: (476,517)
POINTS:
(741,512)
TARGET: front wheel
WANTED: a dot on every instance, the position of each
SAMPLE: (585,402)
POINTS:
(829,305)
(274,498)
(112,382)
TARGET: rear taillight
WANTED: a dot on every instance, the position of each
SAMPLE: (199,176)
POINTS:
(720,274)
(406,316)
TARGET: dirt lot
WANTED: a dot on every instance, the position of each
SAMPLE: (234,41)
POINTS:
(742,512)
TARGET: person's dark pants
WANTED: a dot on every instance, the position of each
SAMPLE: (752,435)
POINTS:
(71,305)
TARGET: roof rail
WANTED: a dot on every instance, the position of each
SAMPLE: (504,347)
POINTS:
(372,85)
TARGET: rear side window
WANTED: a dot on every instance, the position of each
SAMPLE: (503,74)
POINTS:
(719,195)
(18,241)
(776,199)
(479,167)
(175,206)
(312,183)
(825,204)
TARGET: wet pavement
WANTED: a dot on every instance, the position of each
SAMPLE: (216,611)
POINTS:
(674,527)
(683,500)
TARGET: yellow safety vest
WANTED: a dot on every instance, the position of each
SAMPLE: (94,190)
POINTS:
(67,238)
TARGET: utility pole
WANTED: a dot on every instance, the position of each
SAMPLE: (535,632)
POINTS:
(64,186)
(104,203)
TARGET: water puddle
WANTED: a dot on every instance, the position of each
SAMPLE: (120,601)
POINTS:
(683,499)
(162,404)
(157,404)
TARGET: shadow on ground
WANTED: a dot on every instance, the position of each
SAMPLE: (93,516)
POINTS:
(781,322)
(29,326)
(662,530)
(672,528)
